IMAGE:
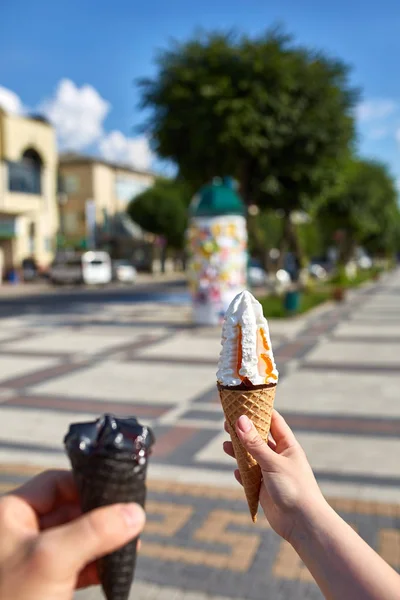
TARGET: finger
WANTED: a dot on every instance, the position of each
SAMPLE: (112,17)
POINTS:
(226,427)
(238,476)
(60,516)
(281,432)
(88,576)
(15,513)
(228,449)
(17,520)
(254,444)
(48,490)
(272,444)
(65,550)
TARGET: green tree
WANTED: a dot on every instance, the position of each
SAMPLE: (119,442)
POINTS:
(265,232)
(363,209)
(311,238)
(162,210)
(275,115)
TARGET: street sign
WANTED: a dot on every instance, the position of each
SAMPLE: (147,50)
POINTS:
(90,217)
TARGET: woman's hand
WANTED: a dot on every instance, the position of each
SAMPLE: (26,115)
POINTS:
(47,548)
(289,487)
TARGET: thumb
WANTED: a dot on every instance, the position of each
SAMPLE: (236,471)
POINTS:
(95,534)
(254,444)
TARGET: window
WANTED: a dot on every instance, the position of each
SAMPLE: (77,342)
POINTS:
(71,184)
(25,175)
(24,178)
(67,261)
(73,262)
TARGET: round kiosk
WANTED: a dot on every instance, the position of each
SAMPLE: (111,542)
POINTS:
(217,246)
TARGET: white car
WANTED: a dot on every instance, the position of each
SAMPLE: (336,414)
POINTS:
(124,271)
(90,268)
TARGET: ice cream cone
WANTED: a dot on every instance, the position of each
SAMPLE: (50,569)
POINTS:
(255,402)
(107,480)
(109,470)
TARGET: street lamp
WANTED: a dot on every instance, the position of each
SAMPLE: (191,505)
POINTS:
(62,199)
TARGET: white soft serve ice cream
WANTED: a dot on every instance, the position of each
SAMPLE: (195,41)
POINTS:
(246,353)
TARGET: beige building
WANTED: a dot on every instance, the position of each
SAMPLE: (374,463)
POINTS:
(95,196)
(42,195)
(28,188)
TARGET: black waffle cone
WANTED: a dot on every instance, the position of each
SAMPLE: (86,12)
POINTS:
(104,480)
(109,459)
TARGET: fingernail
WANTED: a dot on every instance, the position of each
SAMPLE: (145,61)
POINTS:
(244,424)
(132,514)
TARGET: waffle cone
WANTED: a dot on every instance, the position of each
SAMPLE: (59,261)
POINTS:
(257,404)
(104,480)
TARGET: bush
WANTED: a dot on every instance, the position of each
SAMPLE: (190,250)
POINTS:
(273,306)
(342,280)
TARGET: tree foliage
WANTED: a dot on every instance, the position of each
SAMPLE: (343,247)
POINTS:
(265,233)
(363,207)
(275,115)
(162,210)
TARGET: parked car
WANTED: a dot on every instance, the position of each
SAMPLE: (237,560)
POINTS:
(124,271)
(30,271)
(91,268)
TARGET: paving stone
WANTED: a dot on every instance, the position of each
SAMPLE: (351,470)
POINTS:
(334,393)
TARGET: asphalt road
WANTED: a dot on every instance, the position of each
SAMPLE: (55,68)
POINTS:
(57,300)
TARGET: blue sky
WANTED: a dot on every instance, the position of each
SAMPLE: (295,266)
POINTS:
(108,44)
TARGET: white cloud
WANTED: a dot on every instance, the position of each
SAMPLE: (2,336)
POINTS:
(373,110)
(10,101)
(77,114)
(135,152)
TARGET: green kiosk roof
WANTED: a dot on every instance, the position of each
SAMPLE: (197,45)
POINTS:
(216,199)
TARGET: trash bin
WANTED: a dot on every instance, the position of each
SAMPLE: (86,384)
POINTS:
(217,247)
(292,301)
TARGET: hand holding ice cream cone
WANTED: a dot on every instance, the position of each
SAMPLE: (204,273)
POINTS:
(247,378)
(288,486)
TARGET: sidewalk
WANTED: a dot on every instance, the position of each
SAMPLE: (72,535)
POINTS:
(339,390)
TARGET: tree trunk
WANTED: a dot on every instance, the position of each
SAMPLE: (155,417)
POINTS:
(346,250)
(283,247)
(163,258)
(268,262)
(261,250)
(244,185)
(292,239)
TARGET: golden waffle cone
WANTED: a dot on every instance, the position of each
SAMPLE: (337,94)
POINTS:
(257,404)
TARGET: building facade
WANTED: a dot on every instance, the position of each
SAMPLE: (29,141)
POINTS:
(28,191)
(94,198)
(49,201)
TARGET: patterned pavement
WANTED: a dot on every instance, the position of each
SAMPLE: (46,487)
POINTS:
(339,389)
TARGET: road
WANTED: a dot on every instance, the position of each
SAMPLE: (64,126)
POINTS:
(43,298)
(75,355)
